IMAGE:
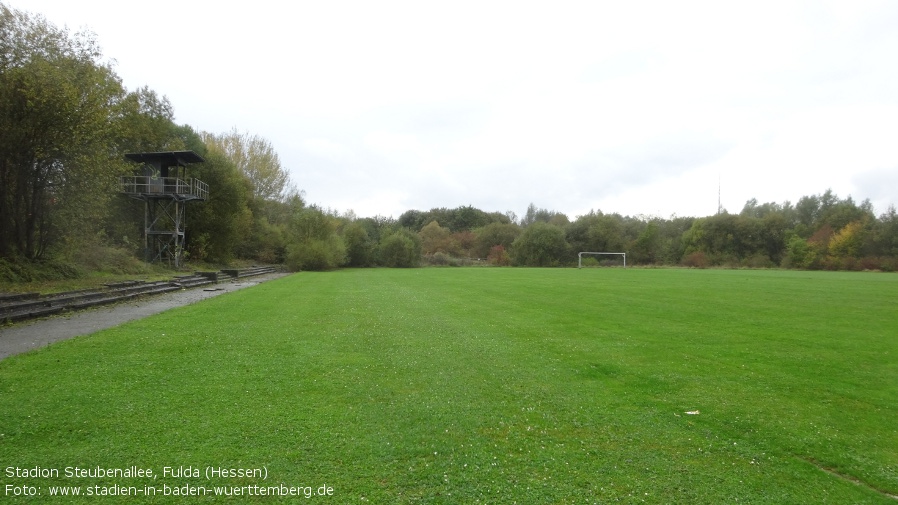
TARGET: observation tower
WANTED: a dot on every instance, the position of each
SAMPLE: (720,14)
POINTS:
(162,185)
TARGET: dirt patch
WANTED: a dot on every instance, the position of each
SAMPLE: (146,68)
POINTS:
(25,336)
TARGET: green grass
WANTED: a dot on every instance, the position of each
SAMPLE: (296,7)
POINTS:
(487,386)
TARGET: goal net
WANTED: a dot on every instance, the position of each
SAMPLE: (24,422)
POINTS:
(599,254)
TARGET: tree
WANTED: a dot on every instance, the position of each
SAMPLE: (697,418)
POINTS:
(216,228)
(535,214)
(57,118)
(597,232)
(466,219)
(270,197)
(413,219)
(671,247)
(256,159)
(313,242)
(727,238)
(435,238)
(807,212)
(456,220)
(753,209)
(146,124)
(847,242)
(773,234)
(886,234)
(645,248)
(540,245)
(799,253)
(359,246)
(378,227)
(400,249)
(464,242)
(495,234)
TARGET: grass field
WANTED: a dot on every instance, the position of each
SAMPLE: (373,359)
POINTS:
(480,386)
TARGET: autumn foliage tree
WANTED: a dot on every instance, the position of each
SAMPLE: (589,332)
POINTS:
(436,239)
(59,113)
(256,159)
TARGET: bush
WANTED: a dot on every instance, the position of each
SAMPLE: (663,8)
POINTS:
(876,263)
(831,263)
(589,261)
(502,234)
(698,259)
(758,260)
(402,249)
(498,256)
(315,254)
(438,259)
(851,263)
(541,245)
(359,246)
(441,259)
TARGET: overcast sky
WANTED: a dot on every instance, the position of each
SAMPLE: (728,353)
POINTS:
(619,106)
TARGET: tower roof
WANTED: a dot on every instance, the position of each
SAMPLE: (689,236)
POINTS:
(168,159)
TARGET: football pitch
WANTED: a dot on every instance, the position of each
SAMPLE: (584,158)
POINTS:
(474,385)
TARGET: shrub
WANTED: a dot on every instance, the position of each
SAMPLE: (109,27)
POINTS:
(498,256)
(697,259)
(438,259)
(758,260)
(316,254)
(831,263)
(878,263)
(851,263)
(590,261)
(402,249)
(799,254)
(359,246)
(540,245)
(495,234)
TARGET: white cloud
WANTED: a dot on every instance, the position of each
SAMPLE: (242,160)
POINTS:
(631,107)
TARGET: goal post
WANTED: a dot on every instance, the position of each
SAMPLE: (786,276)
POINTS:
(580,256)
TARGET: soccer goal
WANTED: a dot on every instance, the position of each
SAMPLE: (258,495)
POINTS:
(580,257)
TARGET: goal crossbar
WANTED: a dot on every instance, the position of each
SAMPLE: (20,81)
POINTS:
(580,256)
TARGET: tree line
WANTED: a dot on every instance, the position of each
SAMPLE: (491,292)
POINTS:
(66,122)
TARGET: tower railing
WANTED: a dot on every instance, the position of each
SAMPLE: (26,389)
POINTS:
(149,186)
(200,189)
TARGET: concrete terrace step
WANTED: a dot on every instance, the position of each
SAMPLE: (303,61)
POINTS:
(76,300)
(237,273)
(15,297)
(18,307)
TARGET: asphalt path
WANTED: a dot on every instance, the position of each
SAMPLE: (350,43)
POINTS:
(27,335)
